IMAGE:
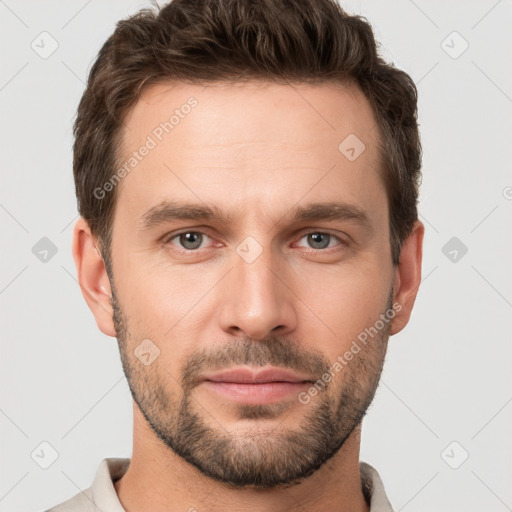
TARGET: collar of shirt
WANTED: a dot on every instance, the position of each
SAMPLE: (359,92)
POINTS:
(101,496)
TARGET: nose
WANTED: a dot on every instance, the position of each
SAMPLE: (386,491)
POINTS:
(256,299)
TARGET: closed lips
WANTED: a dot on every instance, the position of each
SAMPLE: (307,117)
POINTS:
(247,376)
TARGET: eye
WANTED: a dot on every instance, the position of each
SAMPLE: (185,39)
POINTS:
(189,240)
(193,240)
(320,240)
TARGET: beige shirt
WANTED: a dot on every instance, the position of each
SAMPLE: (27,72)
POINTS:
(102,497)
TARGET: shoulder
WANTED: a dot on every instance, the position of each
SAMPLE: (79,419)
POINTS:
(101,495)
(373,489)
(81,502)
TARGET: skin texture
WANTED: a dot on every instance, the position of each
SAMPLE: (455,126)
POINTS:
(255,151)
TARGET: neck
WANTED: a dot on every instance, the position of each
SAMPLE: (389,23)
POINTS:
(161,481)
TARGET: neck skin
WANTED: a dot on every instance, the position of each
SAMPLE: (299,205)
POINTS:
(161,481)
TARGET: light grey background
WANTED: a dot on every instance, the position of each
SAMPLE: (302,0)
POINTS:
(447,376)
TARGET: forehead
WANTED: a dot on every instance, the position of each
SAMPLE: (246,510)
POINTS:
(297,114)
(249,143)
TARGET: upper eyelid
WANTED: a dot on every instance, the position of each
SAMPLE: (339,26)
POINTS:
(303,234)
(171,236)
(300,234)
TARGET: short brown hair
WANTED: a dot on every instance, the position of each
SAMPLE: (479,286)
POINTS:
(201,41)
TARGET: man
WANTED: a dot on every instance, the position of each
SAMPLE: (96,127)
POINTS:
(247,178)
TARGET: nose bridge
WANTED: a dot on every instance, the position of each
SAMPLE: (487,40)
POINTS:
(256,301)
(255,272)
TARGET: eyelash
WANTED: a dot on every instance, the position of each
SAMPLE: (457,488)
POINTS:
(343,243)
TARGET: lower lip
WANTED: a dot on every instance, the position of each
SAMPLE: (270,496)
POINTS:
(254,393)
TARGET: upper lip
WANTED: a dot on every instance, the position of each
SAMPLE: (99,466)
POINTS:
(246,375)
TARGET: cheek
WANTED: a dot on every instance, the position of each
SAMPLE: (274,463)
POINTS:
(161,308)
(165,301)
(345,302)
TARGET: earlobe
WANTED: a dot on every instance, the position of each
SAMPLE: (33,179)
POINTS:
(92,276)
(408,276)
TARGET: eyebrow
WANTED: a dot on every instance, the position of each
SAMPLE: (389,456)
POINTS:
(168,211)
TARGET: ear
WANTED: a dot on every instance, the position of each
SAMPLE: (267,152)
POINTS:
(93,277)
(408,276)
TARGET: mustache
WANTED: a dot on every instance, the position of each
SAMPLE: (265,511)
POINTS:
(273,351)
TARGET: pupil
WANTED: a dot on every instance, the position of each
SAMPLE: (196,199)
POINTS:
(317,239)
(191,239)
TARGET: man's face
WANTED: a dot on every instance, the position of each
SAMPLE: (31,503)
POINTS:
(268,282)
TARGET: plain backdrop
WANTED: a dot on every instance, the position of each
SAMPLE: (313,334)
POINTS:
(439,429)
